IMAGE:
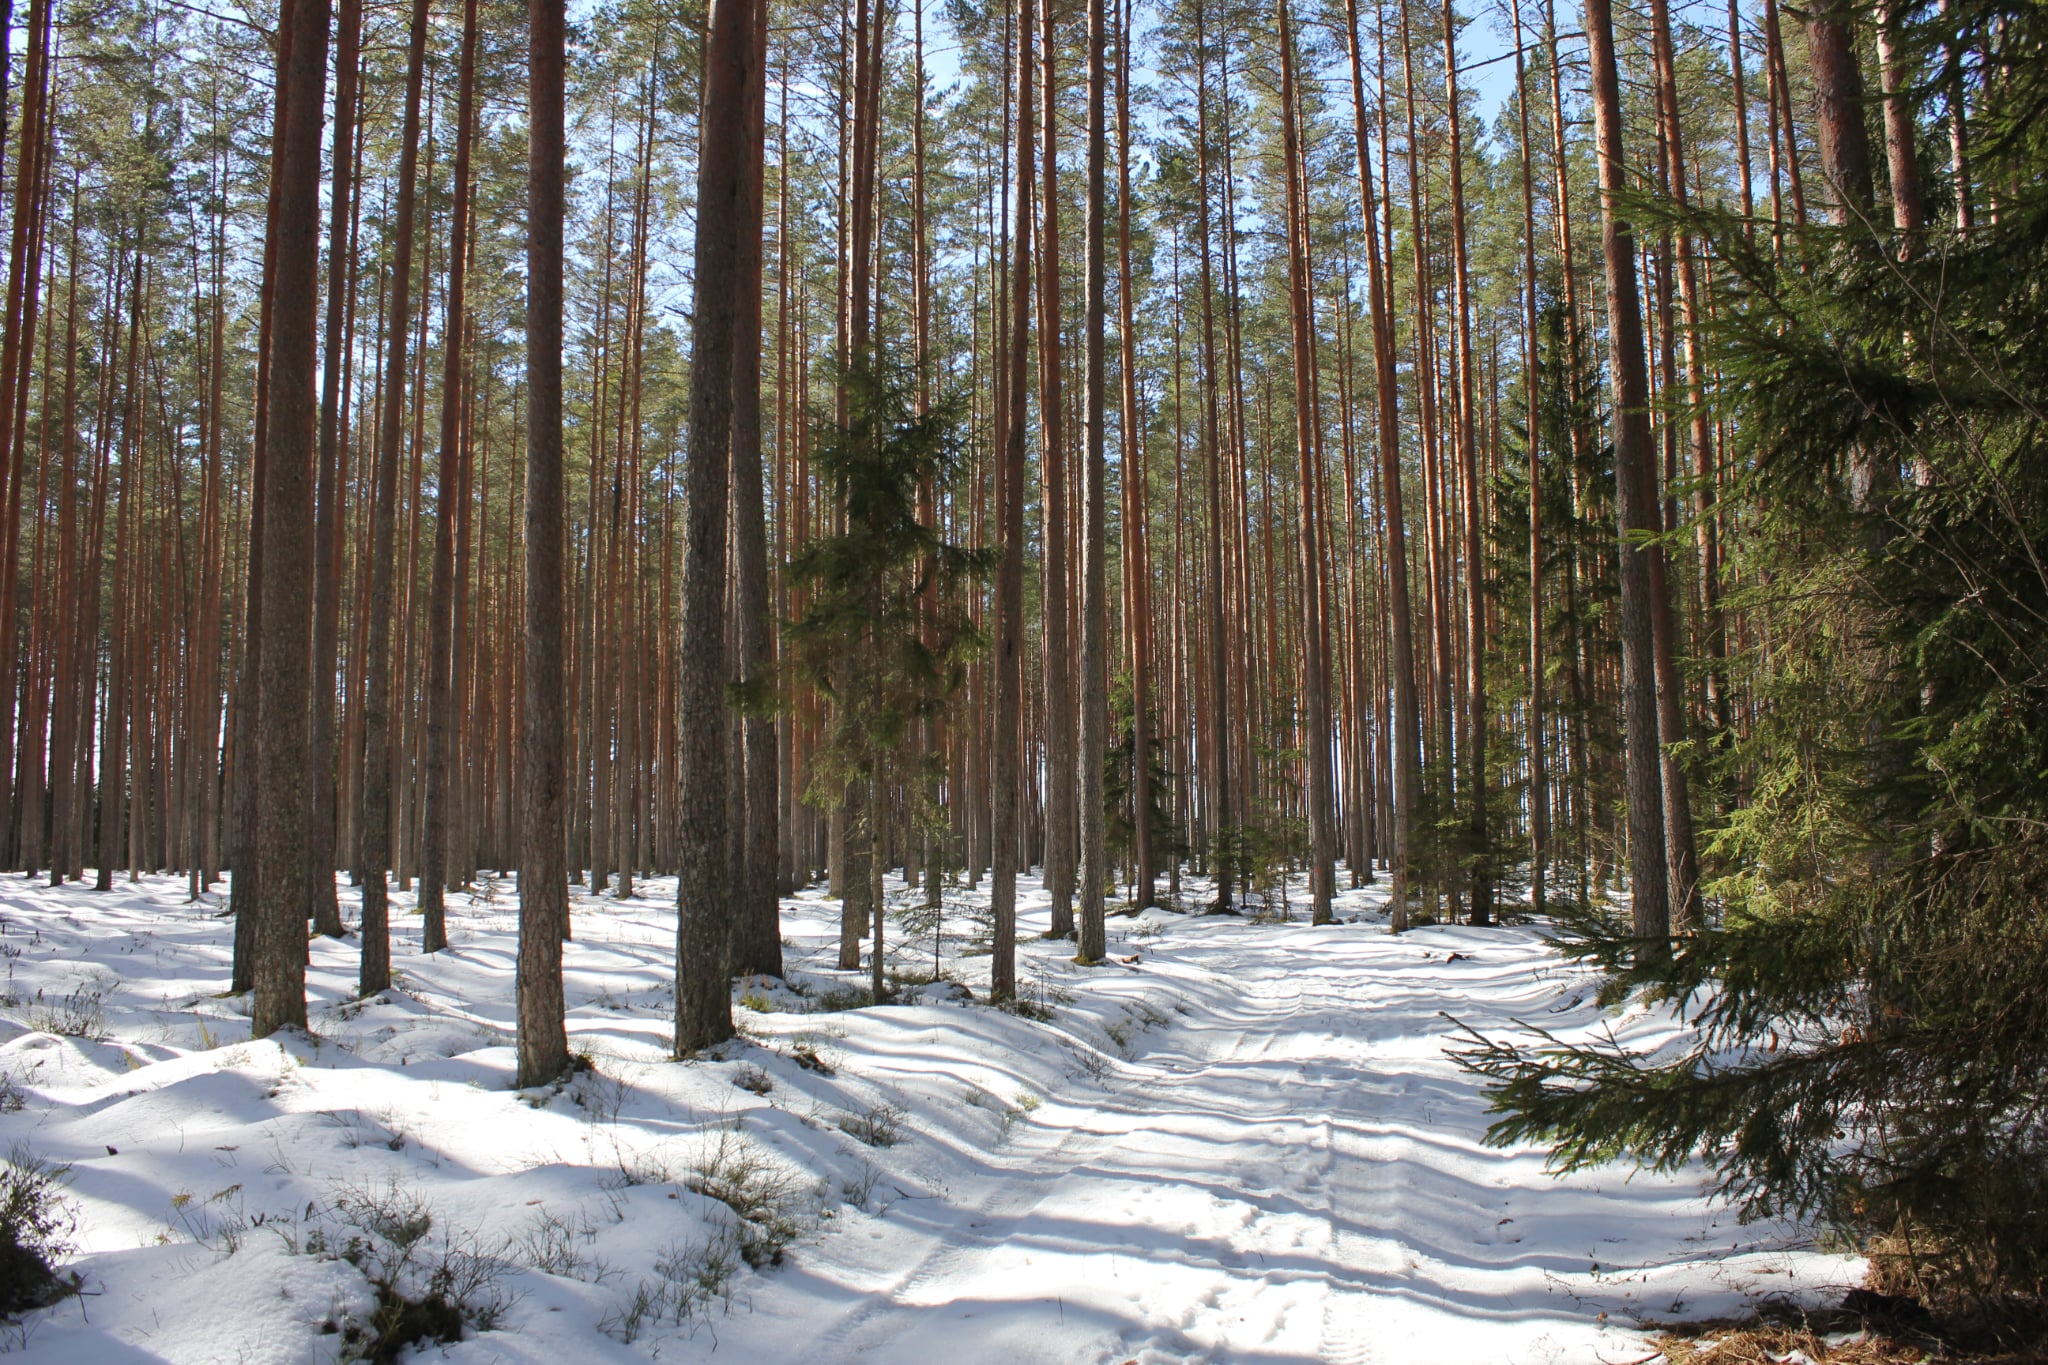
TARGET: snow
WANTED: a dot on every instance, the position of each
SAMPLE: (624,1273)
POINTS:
(1238,1141)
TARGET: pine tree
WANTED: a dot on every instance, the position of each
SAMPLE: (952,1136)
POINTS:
(884,635)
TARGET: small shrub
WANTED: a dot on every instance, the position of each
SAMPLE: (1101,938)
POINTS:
(689,1278)
(652,1166)
(1119,1032)
(1092,1063)
(753,1080)
(859,1187)
(425,1291)
(81,1014)
(625,1323)
(598,1095)
(760,1192)
(36,1222)
(878,1125)
(1035,1000)
(1007,1116)
(806,1056)
(841,998)
(218,1222)
(556,1246)
(701,1270)
(361,1130)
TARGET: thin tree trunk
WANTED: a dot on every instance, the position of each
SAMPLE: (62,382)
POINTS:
(1316,724)
(1781,113)
(72,579)
(1958,138)
(325,910)
(1903,163)
(1006,745)
(1479,850)
(1680,853)
(758,944)
(17,351)
(1137,561)
(1539,781)
(1737,75)
(1221,826)
(1635,495)
(380,686)
(1066,785)
(1095,508)
(440,641)
(1406,763)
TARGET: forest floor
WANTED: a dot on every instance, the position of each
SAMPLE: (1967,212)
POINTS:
(1239,1141)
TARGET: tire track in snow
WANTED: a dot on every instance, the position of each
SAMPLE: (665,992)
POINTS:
(1188,1093)
(956,1248)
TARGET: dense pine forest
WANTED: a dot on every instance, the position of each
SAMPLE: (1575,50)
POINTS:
(919,495)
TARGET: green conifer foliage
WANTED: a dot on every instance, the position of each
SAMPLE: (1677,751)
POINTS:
(884,634)
(1869,1007)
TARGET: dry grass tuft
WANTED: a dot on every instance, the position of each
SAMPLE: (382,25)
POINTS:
(1868,1329)
(1773,1343)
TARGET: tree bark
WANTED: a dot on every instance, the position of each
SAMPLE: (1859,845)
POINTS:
(1316,725)
(1406,761)
(283,693)
(440,642)
(1006,744)
(1680,852)
(1220,823)
(1635,495)
(758,944)
(1838,111)
(1095,508)
(1539,781)
(1065,783)
(325,910)
(1908,218)
(1137,559)
(17,351)
(380,687)
(724,214)
(542,1043)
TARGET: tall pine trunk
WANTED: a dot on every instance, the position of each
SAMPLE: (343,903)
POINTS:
(543,1043)
(374,857)
(1635,495)
(325,910)
(758,942)
(1316,724)
(283,692)
(1007,742)
(440,642)
(1066,800)
(725,204)
(1095,508)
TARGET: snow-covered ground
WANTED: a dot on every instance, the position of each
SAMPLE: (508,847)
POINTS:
(1239,1141)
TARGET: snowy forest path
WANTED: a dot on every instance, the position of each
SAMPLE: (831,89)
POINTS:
(1283,1165)
(1235,1141)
